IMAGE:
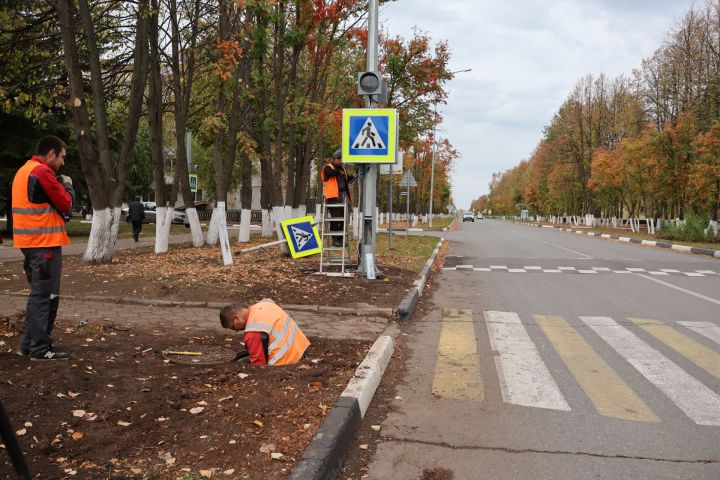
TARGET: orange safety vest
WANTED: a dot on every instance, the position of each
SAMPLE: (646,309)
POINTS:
(35,225)
(287,343)
(330,185)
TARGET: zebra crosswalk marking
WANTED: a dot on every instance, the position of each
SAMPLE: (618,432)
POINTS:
(610,395)
(524,377)
(697,401)
(457,371)
(694,351)
(706,329)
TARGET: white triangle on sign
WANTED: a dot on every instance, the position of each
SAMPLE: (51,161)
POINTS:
(301,237)
(368,138)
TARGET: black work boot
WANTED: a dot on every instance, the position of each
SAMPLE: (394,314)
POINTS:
(52,355)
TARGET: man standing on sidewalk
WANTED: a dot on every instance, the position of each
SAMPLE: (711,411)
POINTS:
(136,212)
(40,204)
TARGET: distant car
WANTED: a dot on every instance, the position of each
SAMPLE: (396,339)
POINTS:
(480,216)
(149,212)
(469,217)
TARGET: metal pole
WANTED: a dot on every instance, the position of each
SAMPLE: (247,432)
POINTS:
(367,253)
(390,209)
(432,171)
(407,195)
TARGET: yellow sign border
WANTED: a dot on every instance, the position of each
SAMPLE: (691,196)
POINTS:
(390,113)
(292,221)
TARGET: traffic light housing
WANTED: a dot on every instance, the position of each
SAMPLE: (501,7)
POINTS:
(370,83)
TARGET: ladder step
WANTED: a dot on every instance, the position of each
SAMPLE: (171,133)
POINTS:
(334,249)
(334,233)
(335,220)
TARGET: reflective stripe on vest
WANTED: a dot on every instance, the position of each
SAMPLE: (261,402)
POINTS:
(274,357)
(35,225)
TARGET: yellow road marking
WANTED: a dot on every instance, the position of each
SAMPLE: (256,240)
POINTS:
(610,395)
(457,371)
(694,351)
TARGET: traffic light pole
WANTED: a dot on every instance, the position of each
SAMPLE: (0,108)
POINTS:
(368,267)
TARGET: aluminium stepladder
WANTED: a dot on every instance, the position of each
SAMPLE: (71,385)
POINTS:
(335,261)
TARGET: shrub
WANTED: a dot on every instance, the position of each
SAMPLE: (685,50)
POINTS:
(692,230)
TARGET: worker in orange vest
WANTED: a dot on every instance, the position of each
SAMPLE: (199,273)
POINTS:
(336,189)
(271,336)
(40,206)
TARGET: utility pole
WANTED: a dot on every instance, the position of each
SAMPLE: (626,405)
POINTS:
(369,200)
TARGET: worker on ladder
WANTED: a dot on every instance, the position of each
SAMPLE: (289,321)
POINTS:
(336,190)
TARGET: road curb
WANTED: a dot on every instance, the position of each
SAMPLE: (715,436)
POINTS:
(325,455)
(652,243)
(408,304)
(361,311)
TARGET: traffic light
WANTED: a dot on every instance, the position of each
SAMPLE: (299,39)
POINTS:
(370,83)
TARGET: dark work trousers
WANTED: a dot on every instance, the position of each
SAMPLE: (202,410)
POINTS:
(336,213)
(137,228)
(43,267)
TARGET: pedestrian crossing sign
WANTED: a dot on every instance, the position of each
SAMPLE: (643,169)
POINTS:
(369,135)
(302,236)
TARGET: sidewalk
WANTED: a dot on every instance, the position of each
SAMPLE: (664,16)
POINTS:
(321,324)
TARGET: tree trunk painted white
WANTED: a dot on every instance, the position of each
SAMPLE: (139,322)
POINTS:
(318,212)
(223,233)
(279,216)
(162,229)
(303,210)
(414,221)
(266,223)
(714,227)
(295,212)
(195,228)
(103,234)
(160,217)
(244,235)
(213,229)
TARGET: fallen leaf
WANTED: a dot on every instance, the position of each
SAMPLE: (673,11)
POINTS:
(202,402)
(206,473)
(229,397)
(21,432)
(267,447)
(243,375)
(375,427)
(304,367)
(168,458)
(136,471)
(28,424)
(123,424)
(196,410)
(364,446)
(79,413)
(70,472)
(306,426)
(229,472)
(162,419)
(258,423)
(276,455)
(77,435)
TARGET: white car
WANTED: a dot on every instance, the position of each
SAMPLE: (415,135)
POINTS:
(469,217)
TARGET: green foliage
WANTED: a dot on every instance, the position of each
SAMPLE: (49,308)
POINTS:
(694,229)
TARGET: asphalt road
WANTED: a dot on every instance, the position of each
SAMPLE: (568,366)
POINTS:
(547,355)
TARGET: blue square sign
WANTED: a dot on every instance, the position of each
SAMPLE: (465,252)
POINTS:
(369,135)
(302,237)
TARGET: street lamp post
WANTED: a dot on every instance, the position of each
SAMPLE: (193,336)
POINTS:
(434,152)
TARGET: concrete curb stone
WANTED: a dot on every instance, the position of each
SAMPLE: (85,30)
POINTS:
(325,455)
(408,304)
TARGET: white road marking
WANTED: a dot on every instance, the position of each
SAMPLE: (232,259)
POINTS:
(658,273)
(552,271)
(698,402)
(532,268)
(691,274)
(498,267)
(681,289)
(517,270)
(621,271)
(636,270)
(480,269)
(567,268)
(587,271)
(706,329)
(706,272)
(601,269)
(524,378)
(669,270)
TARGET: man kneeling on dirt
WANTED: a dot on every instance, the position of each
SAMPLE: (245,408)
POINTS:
(271,336)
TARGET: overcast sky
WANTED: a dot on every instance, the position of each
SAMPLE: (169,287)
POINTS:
(526,56)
